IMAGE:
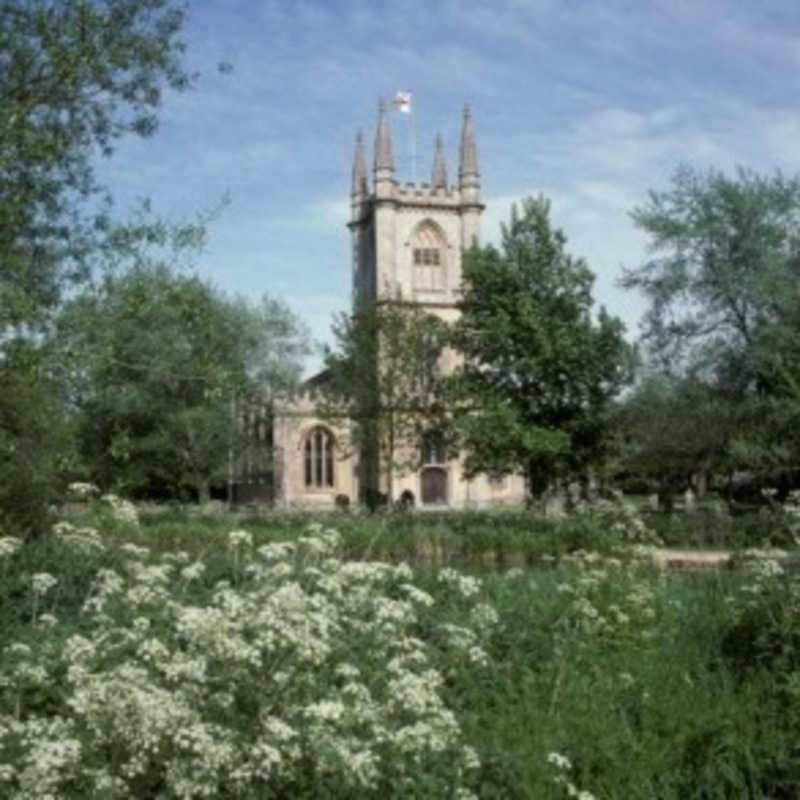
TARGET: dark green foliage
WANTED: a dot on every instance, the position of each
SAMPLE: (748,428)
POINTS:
(673,430)
(721,283)
(766,631)
(35,445)
(723,249)
(75,77)
(159,361)
(384,377)
(539,368)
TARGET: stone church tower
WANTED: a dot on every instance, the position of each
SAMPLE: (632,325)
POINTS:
(408,241)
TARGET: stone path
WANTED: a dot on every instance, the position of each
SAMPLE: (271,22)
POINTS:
(676,558)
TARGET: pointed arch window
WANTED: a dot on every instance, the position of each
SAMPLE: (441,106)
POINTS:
(319,459)
(428,250)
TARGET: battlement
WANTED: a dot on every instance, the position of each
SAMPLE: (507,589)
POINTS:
(425,194)
(385,189)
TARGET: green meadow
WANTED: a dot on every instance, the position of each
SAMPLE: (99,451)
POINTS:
(463,655)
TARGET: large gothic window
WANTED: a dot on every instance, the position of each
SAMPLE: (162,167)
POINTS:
(319,452)
(429,263)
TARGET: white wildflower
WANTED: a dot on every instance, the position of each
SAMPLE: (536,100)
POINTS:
(9,545)
(122,510)
(466,585)
(42,582)
(83,491)
(470,757)
(276,550)
(18,649)
(240,538)
(194,571)
(325,711)
(416,595)
(135,550)
(559,761)
(484,617)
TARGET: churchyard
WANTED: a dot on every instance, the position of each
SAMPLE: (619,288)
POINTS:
(185,652)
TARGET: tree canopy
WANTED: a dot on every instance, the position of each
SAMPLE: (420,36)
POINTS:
(722,287)
(75,77)
(724,251)
(538,367)
(159,359)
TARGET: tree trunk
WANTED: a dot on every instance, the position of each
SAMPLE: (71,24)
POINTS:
(700,481)
(203,492)
(665,499)
(536,485)
(390,465)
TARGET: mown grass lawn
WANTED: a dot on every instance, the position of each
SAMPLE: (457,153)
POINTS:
(455,656)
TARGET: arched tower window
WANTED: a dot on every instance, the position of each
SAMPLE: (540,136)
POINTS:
(429,257)
(319,461)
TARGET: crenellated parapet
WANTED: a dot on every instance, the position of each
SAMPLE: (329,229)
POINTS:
(439,191)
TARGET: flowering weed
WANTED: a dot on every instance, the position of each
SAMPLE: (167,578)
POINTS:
(306,678)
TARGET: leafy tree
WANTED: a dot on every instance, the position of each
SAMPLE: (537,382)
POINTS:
(676,431)
(722,285)
(538,368)
(75,77)
(36,443)
(723,252)
(160,360)
(384,378)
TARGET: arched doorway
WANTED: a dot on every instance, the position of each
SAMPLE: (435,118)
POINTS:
(434,486)
(433,470)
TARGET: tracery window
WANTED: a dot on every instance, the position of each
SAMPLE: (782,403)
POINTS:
(319,461)
(429,257)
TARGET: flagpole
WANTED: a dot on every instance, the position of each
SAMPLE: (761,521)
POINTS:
(413,149)
(404,102)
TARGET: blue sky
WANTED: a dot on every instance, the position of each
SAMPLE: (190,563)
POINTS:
(590,102)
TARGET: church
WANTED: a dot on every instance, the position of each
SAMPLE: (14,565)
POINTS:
(407,240)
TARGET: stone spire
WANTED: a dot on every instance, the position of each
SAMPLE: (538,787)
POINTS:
(384,161)
(359,186)
(468,174)
(439,177)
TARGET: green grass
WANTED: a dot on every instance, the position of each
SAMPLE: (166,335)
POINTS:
(661,701)
(499,538)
